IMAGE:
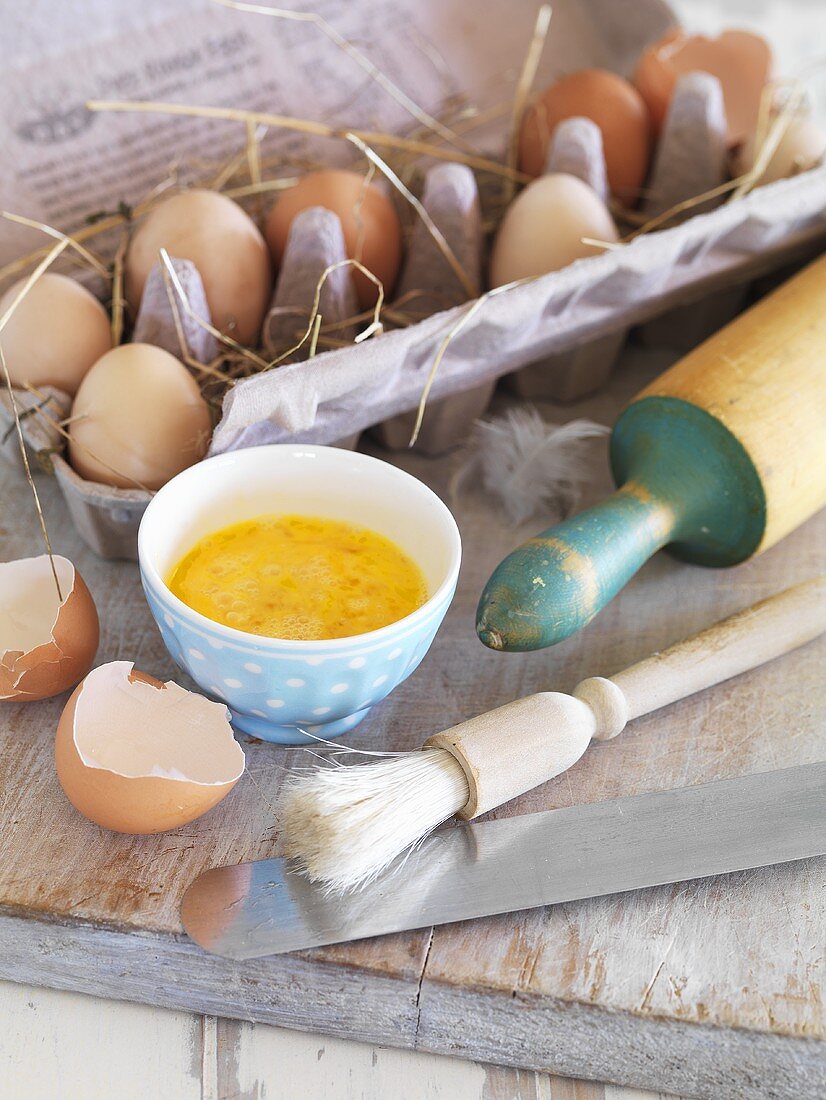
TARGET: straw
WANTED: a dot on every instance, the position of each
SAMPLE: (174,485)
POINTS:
(24,456)
(524,84)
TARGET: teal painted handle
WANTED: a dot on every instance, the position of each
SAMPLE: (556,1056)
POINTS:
(555,583)
(686,480)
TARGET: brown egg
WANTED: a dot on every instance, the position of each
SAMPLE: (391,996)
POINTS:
(224,244)
(371,227)
(47,644)
(609,101)
(138,419)
(741,61)
(138,756)
(544,226)
(55,334)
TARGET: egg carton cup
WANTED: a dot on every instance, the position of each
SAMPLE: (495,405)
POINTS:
(315,243)
(106,517)
(451,198)
(162,321)
(40,437)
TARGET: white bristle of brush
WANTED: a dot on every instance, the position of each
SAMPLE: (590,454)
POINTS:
(345,825)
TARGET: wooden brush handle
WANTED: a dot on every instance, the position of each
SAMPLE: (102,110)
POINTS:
(516,747)
(745,640)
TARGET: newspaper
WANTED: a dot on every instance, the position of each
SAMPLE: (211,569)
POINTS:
(63,163)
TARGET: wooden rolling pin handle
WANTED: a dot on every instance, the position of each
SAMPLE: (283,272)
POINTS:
(750,638)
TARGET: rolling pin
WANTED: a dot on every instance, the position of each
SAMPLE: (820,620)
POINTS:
(718,459)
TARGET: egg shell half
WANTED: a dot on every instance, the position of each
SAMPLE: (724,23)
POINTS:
(59,639)
(223,243)
(371,226)
(138,419)
(55,334)
(119,718)
(614,105)
(543,228)
(740,60)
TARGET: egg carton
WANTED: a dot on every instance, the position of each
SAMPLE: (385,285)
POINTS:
(323,399)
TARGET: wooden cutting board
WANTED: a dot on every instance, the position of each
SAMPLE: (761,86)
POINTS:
(711,988)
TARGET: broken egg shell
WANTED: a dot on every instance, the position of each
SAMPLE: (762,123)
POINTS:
(740,60)
(46,646)
(135,755)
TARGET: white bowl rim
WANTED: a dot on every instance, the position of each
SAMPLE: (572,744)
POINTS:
(422,613)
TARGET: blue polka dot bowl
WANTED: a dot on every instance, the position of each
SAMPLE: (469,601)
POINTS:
(291,692)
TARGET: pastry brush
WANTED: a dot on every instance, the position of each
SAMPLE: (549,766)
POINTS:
(345,825)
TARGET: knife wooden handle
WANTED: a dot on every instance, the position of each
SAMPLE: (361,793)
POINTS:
(516,747)
(744,641)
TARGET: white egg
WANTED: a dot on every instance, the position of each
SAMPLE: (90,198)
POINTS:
(544,227)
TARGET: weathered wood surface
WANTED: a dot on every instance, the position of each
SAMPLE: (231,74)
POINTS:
(712,988)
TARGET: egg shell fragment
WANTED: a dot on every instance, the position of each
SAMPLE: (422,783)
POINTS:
(57,331)
(543,228)
(135,755)
(138,419)
(371,226)
(223,243)
(46,646)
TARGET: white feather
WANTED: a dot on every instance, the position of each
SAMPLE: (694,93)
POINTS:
(528,465)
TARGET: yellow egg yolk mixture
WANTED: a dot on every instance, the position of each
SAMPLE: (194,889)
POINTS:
(299,577)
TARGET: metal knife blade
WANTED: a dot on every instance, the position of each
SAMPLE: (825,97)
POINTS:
(264,908)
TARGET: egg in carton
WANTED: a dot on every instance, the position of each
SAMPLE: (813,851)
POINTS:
(576,150)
